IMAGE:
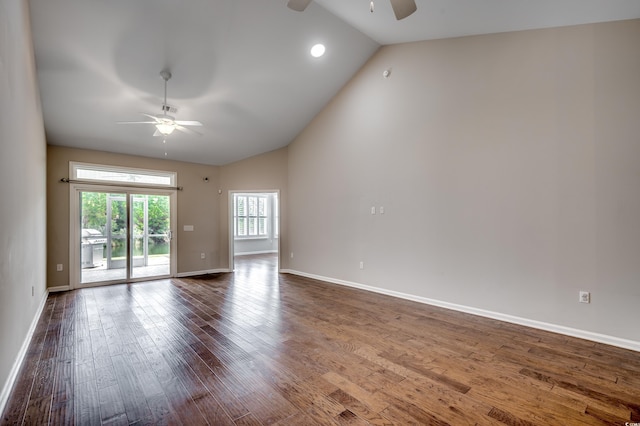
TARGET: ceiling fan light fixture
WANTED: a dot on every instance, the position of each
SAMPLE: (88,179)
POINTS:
(166,128)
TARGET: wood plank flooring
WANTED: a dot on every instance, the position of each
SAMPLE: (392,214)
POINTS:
(256,347)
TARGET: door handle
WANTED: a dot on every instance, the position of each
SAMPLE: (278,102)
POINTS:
(170,235)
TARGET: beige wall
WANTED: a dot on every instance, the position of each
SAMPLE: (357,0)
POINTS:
(22,193)
(201,204)
(508,167)
(198,205)
(263,172)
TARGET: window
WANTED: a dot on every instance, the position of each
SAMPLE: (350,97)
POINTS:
(250,213)
(121,175)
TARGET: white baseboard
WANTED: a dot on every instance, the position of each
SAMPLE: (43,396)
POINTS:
(208,271)
(59,288)
(15,369)
(555,328)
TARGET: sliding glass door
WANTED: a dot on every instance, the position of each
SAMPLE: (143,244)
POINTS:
(122,236)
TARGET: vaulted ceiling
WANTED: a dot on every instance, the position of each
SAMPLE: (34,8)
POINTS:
(241,67)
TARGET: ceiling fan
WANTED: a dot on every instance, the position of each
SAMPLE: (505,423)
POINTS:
(401,8)
(166,124)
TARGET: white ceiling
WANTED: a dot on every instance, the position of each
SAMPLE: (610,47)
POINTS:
(241,67)
(436,19)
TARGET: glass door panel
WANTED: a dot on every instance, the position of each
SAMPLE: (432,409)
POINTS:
(103,242)
(150,235)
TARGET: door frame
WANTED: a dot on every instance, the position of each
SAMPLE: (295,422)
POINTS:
(231,222)
(75,230)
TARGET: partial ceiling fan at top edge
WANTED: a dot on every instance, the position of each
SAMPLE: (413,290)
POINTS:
(298,5)
(401,8)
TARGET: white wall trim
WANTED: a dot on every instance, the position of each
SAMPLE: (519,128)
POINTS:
(13,373)
(555,328)
(208,271)
(59,288)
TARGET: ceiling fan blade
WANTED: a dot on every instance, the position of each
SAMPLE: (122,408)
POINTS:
(298,5)
(403,8)
(136,122)
(188,123)
(157,120)
(187,130)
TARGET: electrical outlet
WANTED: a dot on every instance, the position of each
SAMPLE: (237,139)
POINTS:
(585,297)
(202,256)
(361,264)
(292,255)
(59,267)
(373,210)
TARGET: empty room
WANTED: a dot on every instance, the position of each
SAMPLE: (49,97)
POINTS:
(312,212)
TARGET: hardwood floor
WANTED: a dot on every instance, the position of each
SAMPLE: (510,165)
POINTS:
(256,347)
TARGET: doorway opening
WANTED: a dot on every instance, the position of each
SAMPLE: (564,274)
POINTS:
(254,228)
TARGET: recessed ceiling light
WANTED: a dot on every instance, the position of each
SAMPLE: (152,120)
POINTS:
(318,50)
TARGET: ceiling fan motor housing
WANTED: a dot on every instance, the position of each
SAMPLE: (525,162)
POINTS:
(169,109)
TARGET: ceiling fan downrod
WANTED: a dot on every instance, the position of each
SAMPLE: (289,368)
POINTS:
(166,75)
